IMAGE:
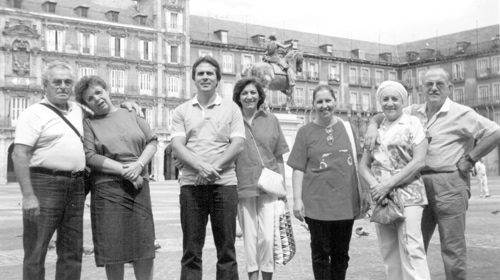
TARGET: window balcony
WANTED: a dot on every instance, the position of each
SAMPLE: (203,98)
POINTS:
(334,79)
(365,82)
(312,76)
(483,74)
(353,81)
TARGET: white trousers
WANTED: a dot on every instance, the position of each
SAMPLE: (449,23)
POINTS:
(402,247)
(482,182)
(256,218)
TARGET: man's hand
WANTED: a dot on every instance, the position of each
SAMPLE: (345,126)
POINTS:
(31,208)
(298,209)
(137,182)
(371,136)
(365,201)
(206,173)
(132,106)
(464,167)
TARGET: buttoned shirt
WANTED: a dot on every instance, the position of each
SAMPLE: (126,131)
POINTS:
(451,133)
(55,145)
(271,144)
(208,132)
(394,150)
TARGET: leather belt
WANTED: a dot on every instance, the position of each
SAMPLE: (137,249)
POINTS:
(427,172)
(70,174)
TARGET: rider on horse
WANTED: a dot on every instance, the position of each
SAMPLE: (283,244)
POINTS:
(272,56)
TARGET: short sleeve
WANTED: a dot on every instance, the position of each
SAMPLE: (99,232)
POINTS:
(417,131)
(478,126)
(281,145)
(237,125)
(28,129)
(178,129)
(145,128)
(298,157)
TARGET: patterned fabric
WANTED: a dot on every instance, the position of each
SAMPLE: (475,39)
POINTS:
(284,241)
(393,151)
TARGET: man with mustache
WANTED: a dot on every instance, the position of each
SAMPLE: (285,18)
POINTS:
(452,129)
(49,161)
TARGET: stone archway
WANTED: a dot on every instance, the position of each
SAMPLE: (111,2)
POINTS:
(11,176)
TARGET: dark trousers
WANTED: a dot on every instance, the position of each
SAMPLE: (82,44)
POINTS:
(197,204)
(330,248)
(61,201)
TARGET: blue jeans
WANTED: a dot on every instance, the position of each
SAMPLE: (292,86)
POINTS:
(330,248)
(62,201)
(197,203)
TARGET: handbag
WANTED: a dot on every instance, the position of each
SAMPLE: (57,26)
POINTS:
(269,181)
(284,241)
(390,213)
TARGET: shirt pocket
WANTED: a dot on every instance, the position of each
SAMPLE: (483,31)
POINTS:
(222,131)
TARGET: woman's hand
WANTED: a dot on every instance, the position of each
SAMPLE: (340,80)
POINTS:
(132,170)
(365,201)
(137,182)
(298,209)
(379,192)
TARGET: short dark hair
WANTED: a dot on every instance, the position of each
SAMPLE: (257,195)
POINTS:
(323,87)
(240,86)
(84,83)
(210,60)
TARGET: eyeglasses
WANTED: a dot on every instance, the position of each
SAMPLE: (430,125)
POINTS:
(59,82)
(329,136)
(439,84)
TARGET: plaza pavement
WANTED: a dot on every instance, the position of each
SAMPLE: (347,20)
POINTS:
(482,234)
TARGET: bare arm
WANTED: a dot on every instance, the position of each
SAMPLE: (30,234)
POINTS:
(365,169)
(298,205)
(281,167)
(407,174)
(21,158)
(483,147)
(371,133)
(135,169)
(230,154)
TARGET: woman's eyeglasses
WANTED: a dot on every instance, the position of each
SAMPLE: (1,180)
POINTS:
(329,136)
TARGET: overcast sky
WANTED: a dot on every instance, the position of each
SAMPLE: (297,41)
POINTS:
(393,21)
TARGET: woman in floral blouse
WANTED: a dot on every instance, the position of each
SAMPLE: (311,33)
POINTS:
(392,169)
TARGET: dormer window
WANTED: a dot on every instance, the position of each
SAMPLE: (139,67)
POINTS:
(140,19)
(112,16)
(358,53)
(82,11)
(49,7)
(259,39)
(222,35)
(328,48)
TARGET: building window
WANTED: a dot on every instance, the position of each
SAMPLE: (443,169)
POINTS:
(299,98)
(82,11)
(365,76)
(17,106)
(246,61)
(482,68)
(496,92)
(495,65)
(281,97)
(379,76)
(459,95)
(223,37)
(117,81)
(148,115)
(49,7)
(17,4)
(174,22)
(227,90)
(55,40)
(173,54)
(85,71)
(392,76)
(227,63)
(146,50)
(483,93)
(354,100)
(365,101)
(458,71)
(497,118)
(202,53)
(146,81)
(312,71)
(112,16)
(407,78)
(309,97)
(117,46)
(173,87)
(353,75)
(333,73)
(87,43)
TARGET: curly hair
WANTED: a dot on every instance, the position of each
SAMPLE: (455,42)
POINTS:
(240,86)
(84,83)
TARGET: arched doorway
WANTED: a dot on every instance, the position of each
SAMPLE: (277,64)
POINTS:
(169,170)
(11,175)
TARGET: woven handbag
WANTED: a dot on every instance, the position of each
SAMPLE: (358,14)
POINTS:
(284,241)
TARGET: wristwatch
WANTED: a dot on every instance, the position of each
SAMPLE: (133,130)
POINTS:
(469,159)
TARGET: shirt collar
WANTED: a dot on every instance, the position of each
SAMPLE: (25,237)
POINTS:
(444,108)
(217,101)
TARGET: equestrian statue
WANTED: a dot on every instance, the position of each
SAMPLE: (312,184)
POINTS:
(275,72)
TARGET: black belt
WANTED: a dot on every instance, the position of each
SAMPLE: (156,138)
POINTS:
(70,174)
(427,172)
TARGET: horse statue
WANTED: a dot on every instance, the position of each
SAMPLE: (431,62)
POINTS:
(272,77)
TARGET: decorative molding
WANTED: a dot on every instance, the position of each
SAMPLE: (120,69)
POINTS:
(21,57)
(174,8)
(118,33)
(113,66)
(87,30)
(175,42)
(21,30)
(146,69)
(52,26)
(173,73)
(94,65)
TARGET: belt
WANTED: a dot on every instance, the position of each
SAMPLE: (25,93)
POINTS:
(427,172)
(70,174)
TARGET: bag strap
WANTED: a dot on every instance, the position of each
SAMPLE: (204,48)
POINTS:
(253,138)
(64,119)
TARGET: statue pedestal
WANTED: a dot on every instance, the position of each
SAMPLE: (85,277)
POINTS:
(290,124)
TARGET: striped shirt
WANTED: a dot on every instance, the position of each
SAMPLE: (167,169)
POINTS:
(451,132)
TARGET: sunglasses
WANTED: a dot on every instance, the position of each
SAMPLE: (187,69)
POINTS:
(329,136)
